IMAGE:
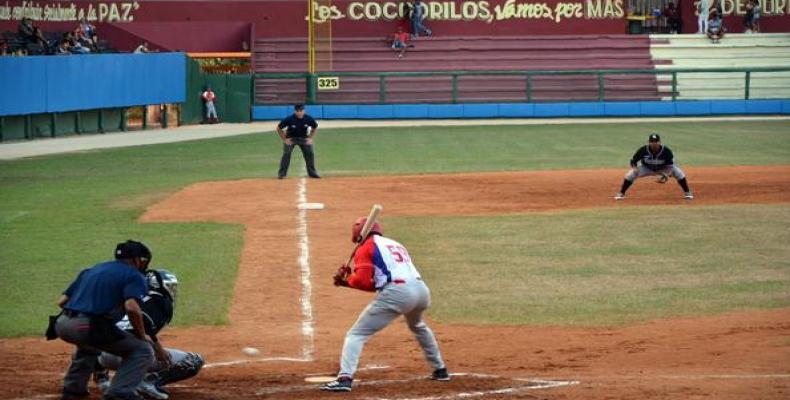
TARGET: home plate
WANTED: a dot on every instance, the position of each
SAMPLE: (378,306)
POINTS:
(319,379)
(311,206)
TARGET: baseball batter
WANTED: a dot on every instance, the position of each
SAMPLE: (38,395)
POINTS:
(383,265)
(654,159)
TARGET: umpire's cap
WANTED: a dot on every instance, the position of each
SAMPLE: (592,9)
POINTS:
(654,138)
(132,249)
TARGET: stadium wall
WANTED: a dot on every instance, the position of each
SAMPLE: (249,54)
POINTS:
(47,84)
(206,21)
(530,110)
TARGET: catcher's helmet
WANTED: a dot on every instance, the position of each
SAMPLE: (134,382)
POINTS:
(356,229)
(163,282)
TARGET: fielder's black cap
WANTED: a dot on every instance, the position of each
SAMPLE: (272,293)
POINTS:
(132,249)
(654,138)
(299,107)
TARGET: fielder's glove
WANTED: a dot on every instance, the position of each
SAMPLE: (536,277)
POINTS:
(663,178)
(341,276)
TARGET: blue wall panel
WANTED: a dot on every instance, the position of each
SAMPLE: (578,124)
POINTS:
(383,111)
(764,107)
(659,108)
(516,110)
(340,112)
(68,83)
(552,110)
(527,110)
(479,110)
(692,107)
(585,109)
(622,109)
(22,85)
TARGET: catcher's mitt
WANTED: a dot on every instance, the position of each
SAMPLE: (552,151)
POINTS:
(663,178)
(341,276)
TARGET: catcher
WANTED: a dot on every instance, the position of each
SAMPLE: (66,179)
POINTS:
(383,265)
(157,307)
(656,159)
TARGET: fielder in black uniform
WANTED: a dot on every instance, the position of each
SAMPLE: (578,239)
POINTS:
(656,159)
(298,129)
(157,310)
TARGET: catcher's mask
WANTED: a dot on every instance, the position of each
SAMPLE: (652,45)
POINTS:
(356,229)
(163,282)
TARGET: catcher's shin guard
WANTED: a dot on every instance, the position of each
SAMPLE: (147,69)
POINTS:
(185,368)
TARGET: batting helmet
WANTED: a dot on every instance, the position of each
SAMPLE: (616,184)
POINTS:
(356,229)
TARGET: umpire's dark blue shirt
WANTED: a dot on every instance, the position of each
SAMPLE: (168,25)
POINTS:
(103,289)
(297,127)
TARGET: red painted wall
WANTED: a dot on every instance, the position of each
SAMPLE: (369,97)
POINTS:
(224,25)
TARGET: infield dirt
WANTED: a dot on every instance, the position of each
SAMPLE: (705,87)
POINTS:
(744,355)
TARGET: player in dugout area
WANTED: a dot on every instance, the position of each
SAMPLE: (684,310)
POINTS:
(654,159)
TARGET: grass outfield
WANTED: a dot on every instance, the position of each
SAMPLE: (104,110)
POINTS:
(602,267)
(62,213)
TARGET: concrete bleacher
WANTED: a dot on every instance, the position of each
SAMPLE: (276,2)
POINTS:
(538,53)
(734,51)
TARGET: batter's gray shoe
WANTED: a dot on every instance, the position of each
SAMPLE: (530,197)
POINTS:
(150,391)
(440,375)
(688,196)
(338,385)
(619,196)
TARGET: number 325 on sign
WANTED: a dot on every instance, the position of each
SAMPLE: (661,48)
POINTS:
(329,83)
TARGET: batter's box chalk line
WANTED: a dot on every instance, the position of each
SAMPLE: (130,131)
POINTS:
(521,384)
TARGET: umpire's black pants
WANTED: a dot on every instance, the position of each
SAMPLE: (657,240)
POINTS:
(137,355)
(307,152)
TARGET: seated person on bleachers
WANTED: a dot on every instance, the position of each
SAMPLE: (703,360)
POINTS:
(4,50)
(400,41)
(672,14)
(85,33)
(80,44)
(715,28)
(63,48)
(25,30)
(142,48)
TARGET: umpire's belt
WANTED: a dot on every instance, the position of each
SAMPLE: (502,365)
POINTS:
(76,314)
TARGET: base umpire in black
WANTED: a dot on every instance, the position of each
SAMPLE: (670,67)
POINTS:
(298,129)
(92,304)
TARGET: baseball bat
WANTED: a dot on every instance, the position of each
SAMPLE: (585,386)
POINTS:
(374,214)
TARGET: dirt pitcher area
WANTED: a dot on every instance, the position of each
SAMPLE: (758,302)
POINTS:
(742,355)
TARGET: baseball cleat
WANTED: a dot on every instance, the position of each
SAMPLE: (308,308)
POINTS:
(150,391)
(688,196)
(440,375)
(342,384)
(619,196)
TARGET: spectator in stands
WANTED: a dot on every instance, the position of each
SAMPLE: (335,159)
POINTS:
(82,38)
(748,18)
(75,45)
(715,29)
(63,48)
(703,13)
(25,30)
(417,15)
(717,7)
(4,50)
(142,48)
(400,41)
(211,112)
(87,30)
(756,10)
(37,44)
(672,14)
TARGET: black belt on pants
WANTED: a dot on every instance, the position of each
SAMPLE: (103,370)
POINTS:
(76,314)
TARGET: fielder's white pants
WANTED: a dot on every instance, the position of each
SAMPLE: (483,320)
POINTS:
(672,170)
